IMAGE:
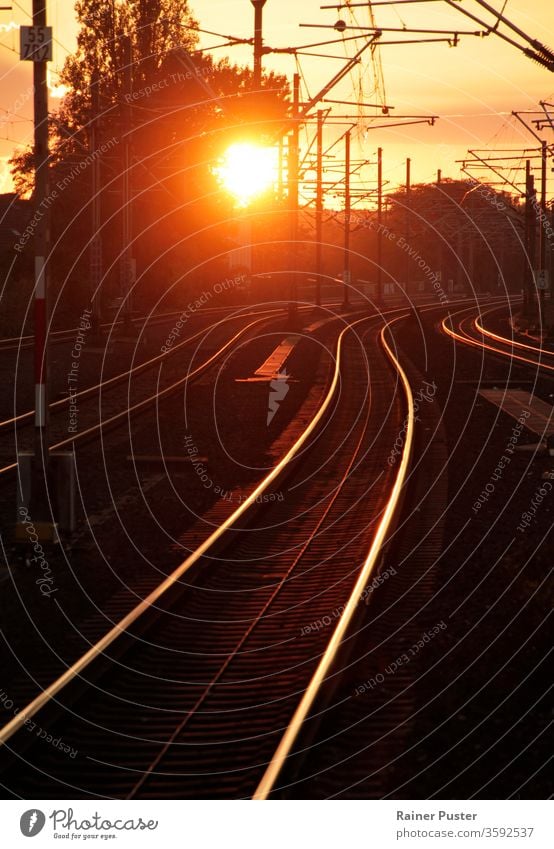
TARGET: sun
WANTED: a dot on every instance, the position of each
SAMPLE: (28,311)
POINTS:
(247,170)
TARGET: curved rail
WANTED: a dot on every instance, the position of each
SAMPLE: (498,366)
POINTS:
(135,371)
(146,402)
(16,343)
(101,645)
(506,340)
(273,771)
(12,343)
(95,651)
(465,339)
(147,603)
(369,559)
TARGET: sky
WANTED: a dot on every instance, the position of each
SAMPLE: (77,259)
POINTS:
(473,87)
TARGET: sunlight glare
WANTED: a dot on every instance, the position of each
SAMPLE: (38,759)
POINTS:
(248,170)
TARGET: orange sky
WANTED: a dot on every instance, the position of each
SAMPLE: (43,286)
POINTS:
(473,87)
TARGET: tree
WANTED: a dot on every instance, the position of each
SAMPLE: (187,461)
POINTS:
(136,68)
(468,231)
(154,27)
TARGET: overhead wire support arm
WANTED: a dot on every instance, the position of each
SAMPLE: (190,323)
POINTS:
(292,50)
(379,3)
(527,127)
(315,55)
(518,156)
(544,104)
(338,76)
(495,171)
(535,44)
(453,42)
(544,56)
(503,150)
(231,38)
(358,103)
(452,32)
(430,120)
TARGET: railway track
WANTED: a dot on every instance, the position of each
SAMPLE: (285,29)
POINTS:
(59,337)
(109,403)
(513,339)
(18,343)
(375,733)
(470,330)
(109,359)
(202,689)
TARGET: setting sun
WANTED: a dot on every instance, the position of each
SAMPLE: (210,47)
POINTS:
(247,170)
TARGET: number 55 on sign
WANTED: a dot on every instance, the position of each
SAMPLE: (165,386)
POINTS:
(35,44)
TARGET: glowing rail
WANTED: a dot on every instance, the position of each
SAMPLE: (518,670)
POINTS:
(465,339)
(271,775)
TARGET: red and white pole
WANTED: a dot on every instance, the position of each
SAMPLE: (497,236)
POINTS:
(40,312)
(39,484)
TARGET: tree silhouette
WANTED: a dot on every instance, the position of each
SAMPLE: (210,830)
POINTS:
(137,74)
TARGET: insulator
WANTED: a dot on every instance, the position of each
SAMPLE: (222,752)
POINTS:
(543,50)
(541,60)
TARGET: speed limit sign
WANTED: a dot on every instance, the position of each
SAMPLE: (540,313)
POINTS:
(35,44)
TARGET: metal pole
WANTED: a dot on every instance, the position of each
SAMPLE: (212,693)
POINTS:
(95,250)
(460,279)
(126,260)
(407,222)
(346,263)
(280,171)
(41,464)
(527,294)
(293,195)
(543,218)
(533,241)
(439,252)
(319,208)
(529,234)
(551,245)
(379,225)
(258,42)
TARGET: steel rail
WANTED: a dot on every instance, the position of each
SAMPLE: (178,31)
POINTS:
(104,424)
(120,628)
(136,370)
(74,671)
(277,763)
(504,339)
(10,343)
(299,555)
(483,346)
